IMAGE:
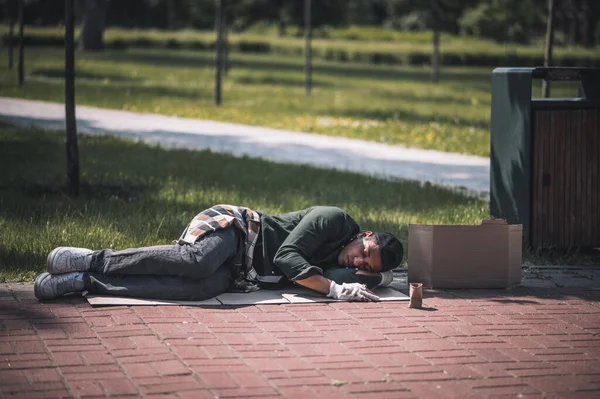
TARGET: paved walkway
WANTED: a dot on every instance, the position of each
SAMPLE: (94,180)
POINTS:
(527,342)
(360,156)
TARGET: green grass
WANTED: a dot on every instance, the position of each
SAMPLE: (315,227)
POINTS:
(395,105)
(138,195)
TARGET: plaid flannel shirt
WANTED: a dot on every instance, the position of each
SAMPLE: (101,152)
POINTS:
(219,217)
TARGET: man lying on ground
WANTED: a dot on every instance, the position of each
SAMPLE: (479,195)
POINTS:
(237,249)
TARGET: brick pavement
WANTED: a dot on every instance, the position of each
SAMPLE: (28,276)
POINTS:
(527,342)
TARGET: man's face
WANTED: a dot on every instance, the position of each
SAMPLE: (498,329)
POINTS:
(363,253)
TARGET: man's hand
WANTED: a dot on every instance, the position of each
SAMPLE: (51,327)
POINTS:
(351,292)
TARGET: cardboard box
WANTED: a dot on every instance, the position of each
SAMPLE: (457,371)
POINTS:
(458,256)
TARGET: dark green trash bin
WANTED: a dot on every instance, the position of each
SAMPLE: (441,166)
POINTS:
(545,157)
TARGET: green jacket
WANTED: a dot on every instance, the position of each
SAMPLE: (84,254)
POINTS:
(303,243)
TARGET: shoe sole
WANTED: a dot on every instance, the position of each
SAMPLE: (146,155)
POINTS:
(38,282)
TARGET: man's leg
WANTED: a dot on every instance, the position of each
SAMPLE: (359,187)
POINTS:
(196,261)
(161,287)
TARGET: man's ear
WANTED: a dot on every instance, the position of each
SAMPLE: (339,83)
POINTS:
(367,233)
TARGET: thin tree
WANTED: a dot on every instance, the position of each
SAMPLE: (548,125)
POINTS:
(436,18)
(435,59)
(71,123)
(92,27)
(584,14)
(219,51)
(11,35)
(549,44)
(21,12)
(307,48)
(171,15)
(225,63)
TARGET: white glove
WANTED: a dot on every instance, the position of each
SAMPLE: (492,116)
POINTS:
(351,292)
(386,278)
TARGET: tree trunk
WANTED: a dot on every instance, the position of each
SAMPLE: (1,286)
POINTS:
(435,72)
(307,48)
(219,51)
(11,37)
(549,44)
(71,123)
(171,22)
(560,22)
(437,18)
(226,65)
(391,14)
(94,21)
(572,27)
(281,28)
(21,44)
(584,21)
(282,23)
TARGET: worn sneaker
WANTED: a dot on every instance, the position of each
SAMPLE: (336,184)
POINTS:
(69,259)
(50,286)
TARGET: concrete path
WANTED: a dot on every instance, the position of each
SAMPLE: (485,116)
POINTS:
(526,342)
(360,156)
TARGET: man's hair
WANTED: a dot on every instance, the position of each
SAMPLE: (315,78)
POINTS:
(391,251)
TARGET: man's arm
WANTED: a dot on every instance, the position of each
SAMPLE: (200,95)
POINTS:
(292,257)
(316,227)
(317,283)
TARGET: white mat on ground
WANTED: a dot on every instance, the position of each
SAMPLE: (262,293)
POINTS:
(262,297)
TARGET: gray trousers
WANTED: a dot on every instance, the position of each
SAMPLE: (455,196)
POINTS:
(177,272)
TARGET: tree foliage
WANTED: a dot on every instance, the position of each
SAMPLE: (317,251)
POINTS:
(577,21)
(427,14)
(504,20)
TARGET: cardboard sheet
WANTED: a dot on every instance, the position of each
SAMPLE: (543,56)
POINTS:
(306,296)
(102,300)
(261,297)
(288,296)
(390,294)
(303,295)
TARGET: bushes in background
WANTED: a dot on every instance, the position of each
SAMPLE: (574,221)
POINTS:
(419,54)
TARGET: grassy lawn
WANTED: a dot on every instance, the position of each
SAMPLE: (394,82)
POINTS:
(138,195)
(385,104)
(397,105)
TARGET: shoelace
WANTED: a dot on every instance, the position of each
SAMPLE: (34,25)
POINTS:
(63,283)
